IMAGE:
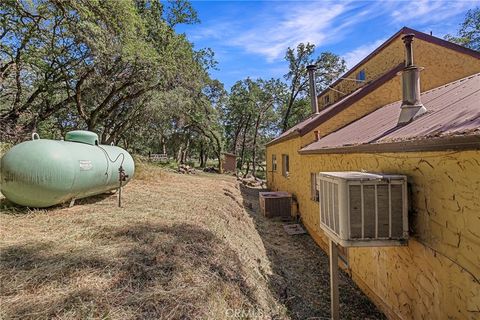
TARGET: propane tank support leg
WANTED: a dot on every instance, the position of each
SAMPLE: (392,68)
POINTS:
(120,195)
(72,203)
(334,301)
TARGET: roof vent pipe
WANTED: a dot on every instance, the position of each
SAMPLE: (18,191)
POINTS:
(313,89)
(412,106)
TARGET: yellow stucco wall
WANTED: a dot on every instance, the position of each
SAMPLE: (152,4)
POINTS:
(437,275)
(385,94)
(442,65)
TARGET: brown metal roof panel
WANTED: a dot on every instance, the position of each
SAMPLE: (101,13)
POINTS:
(457,117)
(452,109)
(461,106)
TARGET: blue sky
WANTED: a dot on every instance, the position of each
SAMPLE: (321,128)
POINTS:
(250,37)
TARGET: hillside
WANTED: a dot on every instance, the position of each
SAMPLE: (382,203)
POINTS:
(182,247)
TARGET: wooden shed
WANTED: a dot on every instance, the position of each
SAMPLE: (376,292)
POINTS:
(229,162)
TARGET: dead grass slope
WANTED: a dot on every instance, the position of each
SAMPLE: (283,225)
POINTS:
(183,247)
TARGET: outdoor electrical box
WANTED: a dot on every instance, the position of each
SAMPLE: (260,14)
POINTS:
(359,209)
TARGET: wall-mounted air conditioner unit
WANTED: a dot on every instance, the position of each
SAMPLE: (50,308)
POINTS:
(363,209)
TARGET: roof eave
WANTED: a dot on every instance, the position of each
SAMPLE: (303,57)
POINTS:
(289,136)
(447,143)
(369,88)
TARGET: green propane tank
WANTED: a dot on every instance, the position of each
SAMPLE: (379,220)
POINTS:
(42,172)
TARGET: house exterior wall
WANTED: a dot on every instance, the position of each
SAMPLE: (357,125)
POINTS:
(437,275)
(442,65)
(275,180)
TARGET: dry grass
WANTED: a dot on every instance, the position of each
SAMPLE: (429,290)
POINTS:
(182,247)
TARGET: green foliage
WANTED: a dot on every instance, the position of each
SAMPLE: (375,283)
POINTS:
(329,67)
(251,118)
(4,147)
(469,33)
(119,68)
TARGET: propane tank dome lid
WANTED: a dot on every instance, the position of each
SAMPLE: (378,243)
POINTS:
(82,136)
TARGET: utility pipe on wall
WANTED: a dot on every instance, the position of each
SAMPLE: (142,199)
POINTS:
(412,106)
(313,89)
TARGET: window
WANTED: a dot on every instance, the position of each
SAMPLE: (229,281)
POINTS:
(314,193)
(285,165)
(274,162)
(326,99)
(361,76)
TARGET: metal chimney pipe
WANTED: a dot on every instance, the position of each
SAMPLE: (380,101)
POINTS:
(412,106)
(408,39)
(313,89)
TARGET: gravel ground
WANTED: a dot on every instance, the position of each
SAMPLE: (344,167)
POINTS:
(301,277)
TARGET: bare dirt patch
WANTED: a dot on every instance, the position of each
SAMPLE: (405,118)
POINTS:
(300,272)
(182,247)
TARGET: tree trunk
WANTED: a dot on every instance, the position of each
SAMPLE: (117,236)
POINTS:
(185,151)
(219,153)
(248,169)
(236,135)
(202,156)
(242,153)
(291,100)
(179,155)
(220,166)
(287,112)
(254,151)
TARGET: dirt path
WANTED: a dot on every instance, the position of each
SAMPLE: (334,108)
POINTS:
(301,272)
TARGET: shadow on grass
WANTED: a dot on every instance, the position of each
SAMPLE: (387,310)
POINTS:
(145,270)
(95,198)
(301,279)
(39,268)
(8,207)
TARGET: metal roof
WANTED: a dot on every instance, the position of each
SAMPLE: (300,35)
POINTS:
(316,119)
(452,110)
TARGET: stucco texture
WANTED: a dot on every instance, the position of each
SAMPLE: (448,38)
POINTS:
(437,275)
(441,65)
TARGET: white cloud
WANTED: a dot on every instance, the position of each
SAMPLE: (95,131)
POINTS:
(428,11)
(290,25)
(269,31)
(355,56)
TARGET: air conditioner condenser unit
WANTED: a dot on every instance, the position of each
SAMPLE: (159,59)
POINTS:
(363,209)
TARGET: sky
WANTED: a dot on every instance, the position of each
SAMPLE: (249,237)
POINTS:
(250,38)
